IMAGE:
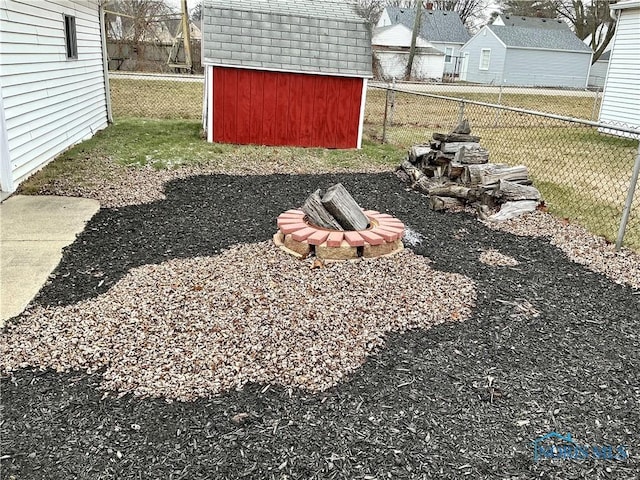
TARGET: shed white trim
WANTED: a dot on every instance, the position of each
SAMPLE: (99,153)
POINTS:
(363,101)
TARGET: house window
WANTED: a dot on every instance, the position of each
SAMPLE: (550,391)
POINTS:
(448,54)
(485,57)
(70,37)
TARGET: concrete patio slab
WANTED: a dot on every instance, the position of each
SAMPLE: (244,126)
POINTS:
(33,232)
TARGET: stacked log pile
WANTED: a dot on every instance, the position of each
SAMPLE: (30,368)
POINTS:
(453,170)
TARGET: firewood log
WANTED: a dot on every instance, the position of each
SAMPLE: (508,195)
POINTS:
(317,213)
(450,190)
(513,209)
(339,202)
(417,152)
(455,137)
(512,191)
(453,147)
(441,203)
(471,156)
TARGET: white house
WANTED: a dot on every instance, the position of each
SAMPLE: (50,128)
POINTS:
(621,97)
(391,45)
(442,29)
(53,83)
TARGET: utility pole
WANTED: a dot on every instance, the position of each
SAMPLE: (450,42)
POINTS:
(414,37)
(186,36)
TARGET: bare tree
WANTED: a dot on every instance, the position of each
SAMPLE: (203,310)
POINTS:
(590,19)
(468,10)
(196,12)
(370,10)
(528,8)
(137,17)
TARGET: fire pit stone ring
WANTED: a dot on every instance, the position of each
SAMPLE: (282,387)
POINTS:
(298,237)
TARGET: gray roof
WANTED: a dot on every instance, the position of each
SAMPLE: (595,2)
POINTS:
(287,35)
(436,25)
(527,37)
(534,22)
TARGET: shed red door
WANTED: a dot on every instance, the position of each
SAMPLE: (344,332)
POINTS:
(278,108)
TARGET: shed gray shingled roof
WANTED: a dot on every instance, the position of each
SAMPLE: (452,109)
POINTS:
(528,37)
(287,35)
(436,25)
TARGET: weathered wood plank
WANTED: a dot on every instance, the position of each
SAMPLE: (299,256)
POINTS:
(318,214)
(513,209)
(339,202)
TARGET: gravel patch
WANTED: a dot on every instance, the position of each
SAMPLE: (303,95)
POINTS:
(120,186)
(494,258)
(196,327)
(579,245)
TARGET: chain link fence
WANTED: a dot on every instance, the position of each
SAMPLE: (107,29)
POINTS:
(148,95)
(583,169)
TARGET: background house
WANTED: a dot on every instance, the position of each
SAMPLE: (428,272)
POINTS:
(292,72)
(599,70)
(527,52)
(53,83)
(621,97)
(391,47)
(442,29)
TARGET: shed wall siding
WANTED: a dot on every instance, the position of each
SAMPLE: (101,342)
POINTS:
(277,108)
(496,63)
(546,68)
(50,102)
(622,90)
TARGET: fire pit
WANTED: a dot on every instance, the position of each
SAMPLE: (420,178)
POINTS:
(307,231)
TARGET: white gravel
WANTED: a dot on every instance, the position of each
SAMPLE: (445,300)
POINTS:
(579,245)
(196,327)
(497,259)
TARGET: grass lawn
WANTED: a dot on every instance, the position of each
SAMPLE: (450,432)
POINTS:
(170,144)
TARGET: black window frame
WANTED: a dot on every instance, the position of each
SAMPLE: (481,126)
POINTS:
(70,36)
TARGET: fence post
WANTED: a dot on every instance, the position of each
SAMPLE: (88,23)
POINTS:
(595,105)
(498,110)
(627,205)
(384,122)
(393,101)
(461,112)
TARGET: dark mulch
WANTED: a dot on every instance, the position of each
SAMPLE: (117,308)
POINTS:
(418,409)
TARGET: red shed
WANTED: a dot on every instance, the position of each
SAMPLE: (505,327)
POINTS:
(285,72)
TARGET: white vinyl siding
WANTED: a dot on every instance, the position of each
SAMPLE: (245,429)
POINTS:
(621,96)
(485,59)
(53,97)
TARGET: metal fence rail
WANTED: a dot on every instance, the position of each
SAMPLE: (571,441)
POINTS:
(586,171)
